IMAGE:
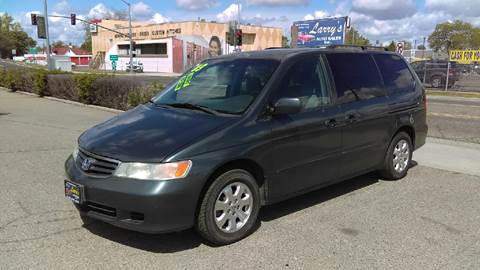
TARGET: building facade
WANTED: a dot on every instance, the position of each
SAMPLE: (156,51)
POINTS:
(176,46)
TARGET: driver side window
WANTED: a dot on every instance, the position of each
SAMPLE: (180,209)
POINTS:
(306,80)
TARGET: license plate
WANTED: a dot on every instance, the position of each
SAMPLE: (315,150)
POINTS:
(73,192)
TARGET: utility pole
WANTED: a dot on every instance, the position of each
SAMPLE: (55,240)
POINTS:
(130,33)
(49,62)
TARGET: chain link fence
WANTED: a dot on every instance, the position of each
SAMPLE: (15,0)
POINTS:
(442,74)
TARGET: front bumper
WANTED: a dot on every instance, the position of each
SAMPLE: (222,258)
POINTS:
(139,205)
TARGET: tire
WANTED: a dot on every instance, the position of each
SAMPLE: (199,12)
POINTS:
(436,81)
(397,160)
(221,207)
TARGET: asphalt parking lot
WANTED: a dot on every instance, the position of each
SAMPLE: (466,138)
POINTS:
(429,220)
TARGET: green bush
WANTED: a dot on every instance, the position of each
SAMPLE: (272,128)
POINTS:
(40,82)
(143,95)
(11,80)
(3,73)
(62,86)
(84,87)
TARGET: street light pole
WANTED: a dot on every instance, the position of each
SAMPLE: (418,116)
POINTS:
(130,33)
(49,62)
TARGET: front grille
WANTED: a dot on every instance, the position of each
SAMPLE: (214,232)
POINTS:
(98,166)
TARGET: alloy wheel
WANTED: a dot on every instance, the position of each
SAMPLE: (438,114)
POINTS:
(233,207)
(401,156)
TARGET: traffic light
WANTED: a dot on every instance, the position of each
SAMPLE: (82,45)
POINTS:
(34,19)
(229,39)
(73,19)
(238,37)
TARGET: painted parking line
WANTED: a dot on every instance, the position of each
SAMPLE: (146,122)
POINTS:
(457,116)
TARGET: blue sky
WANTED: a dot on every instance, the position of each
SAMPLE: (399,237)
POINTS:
(381,20)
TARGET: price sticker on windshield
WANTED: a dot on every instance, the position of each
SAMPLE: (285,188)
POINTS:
(184,81)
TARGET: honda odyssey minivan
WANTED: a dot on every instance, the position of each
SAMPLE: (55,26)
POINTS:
(241,131)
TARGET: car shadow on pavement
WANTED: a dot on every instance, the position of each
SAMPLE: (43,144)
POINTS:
(347,187)
(189,239)
(156,243)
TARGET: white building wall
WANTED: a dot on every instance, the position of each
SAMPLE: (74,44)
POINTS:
(150,64)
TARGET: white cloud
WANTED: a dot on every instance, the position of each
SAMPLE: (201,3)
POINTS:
(278,2)
(100,11)
(196,4)
(159,18)
(230,13)
(455,7)
(141,10)
(62,7)
(318,14)
(384,9)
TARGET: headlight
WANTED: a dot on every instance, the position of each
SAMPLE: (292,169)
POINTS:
(154,171)
(75,153)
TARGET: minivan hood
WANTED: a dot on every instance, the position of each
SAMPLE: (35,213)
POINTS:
(148,133)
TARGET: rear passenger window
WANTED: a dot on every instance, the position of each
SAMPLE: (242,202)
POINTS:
(395,73)
(356,76)
(306,80)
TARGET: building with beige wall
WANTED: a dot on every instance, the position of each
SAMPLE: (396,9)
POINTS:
(174,46)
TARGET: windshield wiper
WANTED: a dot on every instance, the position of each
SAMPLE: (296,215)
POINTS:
(191,106)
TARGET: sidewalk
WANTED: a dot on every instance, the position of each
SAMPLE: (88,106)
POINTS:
(449,155)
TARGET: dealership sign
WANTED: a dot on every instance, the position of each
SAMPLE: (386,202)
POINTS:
(465,56)
(322,32)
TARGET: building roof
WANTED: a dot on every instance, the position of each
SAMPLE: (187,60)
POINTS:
(70,51)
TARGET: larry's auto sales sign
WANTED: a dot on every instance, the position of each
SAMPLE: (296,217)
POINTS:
(322,32)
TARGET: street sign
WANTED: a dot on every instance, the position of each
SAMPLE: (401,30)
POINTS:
(41,29)
(114,59)
(322,32)
(93,28)
(14,52)
(465,56)
(399,47)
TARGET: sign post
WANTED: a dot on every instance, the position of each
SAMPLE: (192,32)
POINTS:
(114,59)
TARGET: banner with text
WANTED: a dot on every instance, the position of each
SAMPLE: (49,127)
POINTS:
(465,56)
(322,32)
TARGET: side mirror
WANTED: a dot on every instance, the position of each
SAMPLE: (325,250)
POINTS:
(287,106)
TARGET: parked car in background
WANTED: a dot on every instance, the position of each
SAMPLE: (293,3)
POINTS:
(434,72)
(137,66)
(241,131)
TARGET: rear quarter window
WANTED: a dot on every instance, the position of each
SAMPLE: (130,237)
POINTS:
(356,76)
(396,75)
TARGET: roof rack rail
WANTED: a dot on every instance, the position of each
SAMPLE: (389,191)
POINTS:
(360,47)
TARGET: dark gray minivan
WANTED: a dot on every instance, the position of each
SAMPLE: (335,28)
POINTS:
(241,131)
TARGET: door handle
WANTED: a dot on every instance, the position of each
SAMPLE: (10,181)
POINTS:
(351,118)
(330,123)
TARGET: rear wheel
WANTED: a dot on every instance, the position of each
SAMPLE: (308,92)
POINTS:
(230,207)
(436,81)
(398,157)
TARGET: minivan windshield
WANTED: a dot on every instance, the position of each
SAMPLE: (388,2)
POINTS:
(221,85)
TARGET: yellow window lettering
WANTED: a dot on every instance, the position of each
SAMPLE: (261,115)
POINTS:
(185,80)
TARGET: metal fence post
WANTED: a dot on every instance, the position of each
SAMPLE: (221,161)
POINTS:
(448,72)
(424,72)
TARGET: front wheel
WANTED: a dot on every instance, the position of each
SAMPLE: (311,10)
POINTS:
(398,157)
(229,209)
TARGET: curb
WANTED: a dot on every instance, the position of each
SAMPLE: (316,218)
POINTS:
(101,108)
(453,93)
